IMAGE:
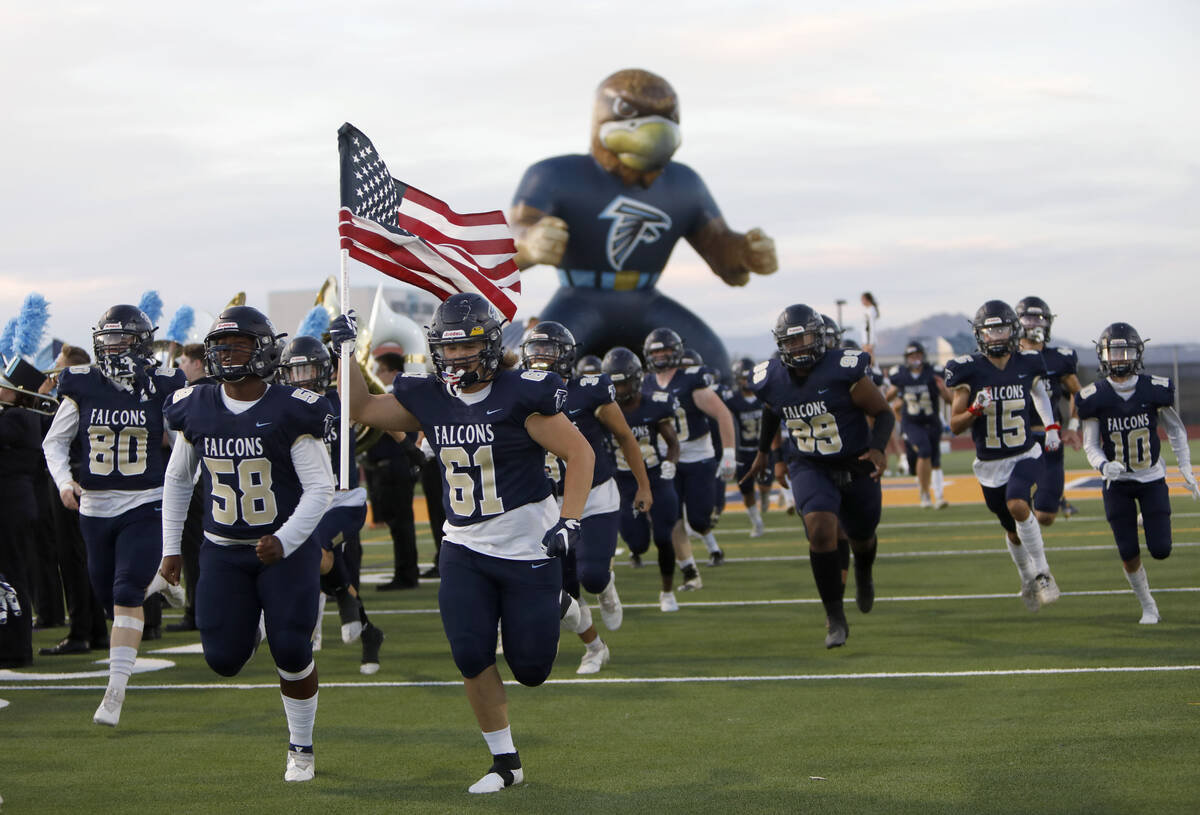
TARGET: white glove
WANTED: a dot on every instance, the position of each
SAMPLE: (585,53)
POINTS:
(8,601)
(1111,469)
(426,448)
(667,470)
(1053,440)
(1189,480)
(982,400)
(728,464)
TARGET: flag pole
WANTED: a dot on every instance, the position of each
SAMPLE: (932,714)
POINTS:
(347,354)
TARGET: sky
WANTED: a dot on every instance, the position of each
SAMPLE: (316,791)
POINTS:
(938,153)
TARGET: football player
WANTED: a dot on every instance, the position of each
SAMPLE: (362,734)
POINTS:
(699,468)
(651,418)
(1121,414)
(746,410)
(490,428)
(592,408)
(996,391)
(306,363)
(919,389)
(265,470)
(114,413)
(1062,365)
(834,455)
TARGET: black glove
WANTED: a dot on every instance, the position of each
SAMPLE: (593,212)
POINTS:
(343,328)
(561,538)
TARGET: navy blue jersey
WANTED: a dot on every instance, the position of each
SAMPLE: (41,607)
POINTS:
(747,417)
(246,458)
(1004,428)
(822,421)
(489,463)
(922,401)
(643,420)
(1128,427)
(1060,362)
(585,395)
(690,421)
(633,229)
(120,434)
(333,427)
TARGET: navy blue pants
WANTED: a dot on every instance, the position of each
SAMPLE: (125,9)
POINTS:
(923,441)
(335,529)
(663,514)
(479,591)
(588,563)
(1024,476)
(1122,500)
(695,484)
(235,587)
(855,497)
(1050,480)
(123,554)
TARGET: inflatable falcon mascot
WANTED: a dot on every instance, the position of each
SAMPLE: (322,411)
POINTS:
(609,220)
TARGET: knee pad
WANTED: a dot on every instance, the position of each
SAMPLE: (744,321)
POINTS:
(530,674)
(1157,526)
(471,656)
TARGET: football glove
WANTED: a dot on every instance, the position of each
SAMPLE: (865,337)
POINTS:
(982,400)
(343,328)
(8,601)
(561,538)
(667,470)
(1111,469)
(728,464)
(1053,440)
(1189,480)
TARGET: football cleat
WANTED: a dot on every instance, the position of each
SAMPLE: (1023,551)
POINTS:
(839,629)
(301,766)
(941,503)
(925,502)
(497,779)
(1150,616)
(667,601)
(593,661)
(1047,589)
(348,606)
(610,605)
(691,579)
(635,560)
(372,639)
(109,712)
(716,558)
(1029,596)
(758,529)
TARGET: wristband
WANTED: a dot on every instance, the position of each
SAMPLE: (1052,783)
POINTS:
(1054,426)
(975,410)
(1073,424)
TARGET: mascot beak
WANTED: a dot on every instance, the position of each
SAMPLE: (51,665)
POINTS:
(643,144)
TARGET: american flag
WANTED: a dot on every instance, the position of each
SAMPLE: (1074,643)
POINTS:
(411,236)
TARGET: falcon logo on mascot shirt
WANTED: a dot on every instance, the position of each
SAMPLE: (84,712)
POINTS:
(634,222)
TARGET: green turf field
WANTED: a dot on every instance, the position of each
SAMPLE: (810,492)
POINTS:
(948,697)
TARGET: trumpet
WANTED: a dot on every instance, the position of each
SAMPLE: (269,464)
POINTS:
(24,380)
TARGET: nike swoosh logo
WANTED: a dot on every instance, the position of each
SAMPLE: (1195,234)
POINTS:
(497,410)
(261,424)
(573,412)
(540,565)
(822,390)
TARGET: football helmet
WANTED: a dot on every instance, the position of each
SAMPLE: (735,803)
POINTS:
(1035,318)
(263,357)
(1119,350)
(800,334)
(589,364)
(742,370)
(662,349)
(997,330)
(914,347)
(690,356)
(122,340)
(625,370)
(306,363)
(549,346)
(462,318)
(833,333)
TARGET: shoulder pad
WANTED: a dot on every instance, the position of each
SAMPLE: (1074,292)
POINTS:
(962,360)
(416,374)
(659,396)
(1160,381)
(1087,392)
(691,369)
(305,396)
(587,380)
(1030,353)
(181,394)
(167,372)
(80,369)
(534,376)
(893,371)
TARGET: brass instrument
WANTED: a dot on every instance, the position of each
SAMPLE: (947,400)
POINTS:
(387,326)
(23,379)
(327,298)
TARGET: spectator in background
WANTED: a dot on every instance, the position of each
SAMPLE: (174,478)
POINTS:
(191,362)
(393,467)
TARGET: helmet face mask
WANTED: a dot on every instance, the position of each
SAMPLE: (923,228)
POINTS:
(306,363)
(1035,318)
(589,364)
(662,350)
(464,340)
(549,346)
(242,343)
(1120,350)
(800,334)
(833,333)
(122,341)
(743,369)
(914,356)
(625,370)
(997,330)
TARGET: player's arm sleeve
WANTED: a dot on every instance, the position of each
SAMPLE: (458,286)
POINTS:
(1041,402)
(57,444)
(1091,443)
(311,461)
(178,482)
(1176,435)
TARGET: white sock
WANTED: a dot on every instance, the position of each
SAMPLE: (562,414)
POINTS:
(1141,588)
(501,741)
(683,564)
(710,542)
(301,715)
(1030,533)
(938,482)
(585,617)
(1021,558)
(595,645)
(120,665)
(755,515)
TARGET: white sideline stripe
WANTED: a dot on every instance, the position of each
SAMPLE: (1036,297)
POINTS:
(671,679)
(996,550)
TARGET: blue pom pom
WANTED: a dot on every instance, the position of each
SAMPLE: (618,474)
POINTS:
(316,323)
(151,305)
(181,324)
(7,337)
(31,325)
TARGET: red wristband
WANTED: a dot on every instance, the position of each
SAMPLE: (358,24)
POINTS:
(975,410)
(1054,426)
